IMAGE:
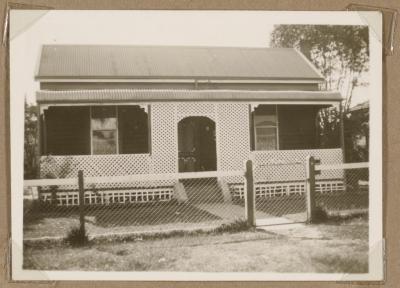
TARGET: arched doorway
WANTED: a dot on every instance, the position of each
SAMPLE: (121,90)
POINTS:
(196,144)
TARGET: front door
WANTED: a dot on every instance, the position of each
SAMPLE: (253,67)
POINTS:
(196,144)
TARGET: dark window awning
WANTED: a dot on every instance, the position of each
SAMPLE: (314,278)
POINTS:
(135,96)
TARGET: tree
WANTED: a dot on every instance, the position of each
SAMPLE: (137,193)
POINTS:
(341,54)
(30,141)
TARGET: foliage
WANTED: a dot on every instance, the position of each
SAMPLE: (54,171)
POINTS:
(341,54)
(320,215)
(30,141)
(58,169)
(77,237)
(350,216)
(329,127)
(356,132)
(238,225)
(357,135)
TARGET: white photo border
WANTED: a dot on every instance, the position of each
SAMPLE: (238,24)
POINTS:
(373,20)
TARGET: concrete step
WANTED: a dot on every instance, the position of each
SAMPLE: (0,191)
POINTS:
(205,190)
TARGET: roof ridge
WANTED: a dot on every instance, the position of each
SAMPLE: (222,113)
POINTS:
(167,46)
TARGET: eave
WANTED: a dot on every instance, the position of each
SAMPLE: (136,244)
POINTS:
(127,96)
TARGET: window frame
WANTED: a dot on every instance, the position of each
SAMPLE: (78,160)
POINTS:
(254,128)
(116,129)
(117,134)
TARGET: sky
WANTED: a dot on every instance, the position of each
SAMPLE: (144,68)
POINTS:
(30,29)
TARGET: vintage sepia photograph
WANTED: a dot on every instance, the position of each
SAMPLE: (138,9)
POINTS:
(196,145)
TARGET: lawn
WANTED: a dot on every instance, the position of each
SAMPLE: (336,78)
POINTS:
(50,221)
(323,248)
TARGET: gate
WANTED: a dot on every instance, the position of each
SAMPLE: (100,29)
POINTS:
(279,193)
(319,191)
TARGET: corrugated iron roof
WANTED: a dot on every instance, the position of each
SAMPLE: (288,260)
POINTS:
(172,62)
(131,95)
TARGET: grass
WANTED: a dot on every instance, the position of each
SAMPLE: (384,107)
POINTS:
(126,214)
(47,221)
(337,247)
(239,225)
(330,202)
(75,238)
(334,263)
(343,200)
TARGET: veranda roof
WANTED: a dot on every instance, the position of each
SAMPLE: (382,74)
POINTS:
(173,62)
(136,95)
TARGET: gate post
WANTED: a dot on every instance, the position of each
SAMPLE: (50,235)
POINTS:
(81,202)
(310,188)
(250,194)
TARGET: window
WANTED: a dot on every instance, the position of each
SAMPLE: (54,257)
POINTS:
(66,131)
(265,122)
(104,130)
(96,130)
(133,130)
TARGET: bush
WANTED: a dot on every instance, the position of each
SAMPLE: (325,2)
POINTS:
(238,225)
(320,215)
(340,218)
(77,237)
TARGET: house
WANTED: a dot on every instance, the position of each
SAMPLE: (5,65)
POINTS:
(127,110)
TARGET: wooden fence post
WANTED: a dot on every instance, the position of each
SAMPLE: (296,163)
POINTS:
(250,194)
(81,202)
(310,188)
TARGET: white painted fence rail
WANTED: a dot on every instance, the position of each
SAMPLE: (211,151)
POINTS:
(342,166)
(131,178)
(166,176)
(51,182)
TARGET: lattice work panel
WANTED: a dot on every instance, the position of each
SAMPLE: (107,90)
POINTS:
(233,138)
(329,186)
(99,166)
(94,165)
(289,165)
(140,195)
(164,135)
(188,109)
(143,191)
(286,188)
(113,187)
